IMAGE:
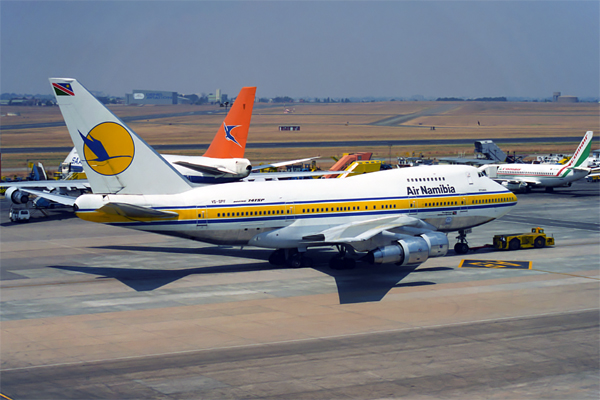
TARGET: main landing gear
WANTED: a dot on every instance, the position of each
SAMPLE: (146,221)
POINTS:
(462,247)
(294,258)
(290,257)
(340,260)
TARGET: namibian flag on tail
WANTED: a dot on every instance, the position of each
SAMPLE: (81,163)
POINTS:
(63,89)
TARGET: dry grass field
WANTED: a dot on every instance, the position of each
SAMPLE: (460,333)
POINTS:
(329,122)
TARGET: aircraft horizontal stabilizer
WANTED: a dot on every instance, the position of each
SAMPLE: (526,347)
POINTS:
(584,169)
(135,212)
(57,198)
(75,184)
(205,169)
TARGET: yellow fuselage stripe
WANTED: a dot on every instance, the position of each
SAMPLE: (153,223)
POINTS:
(422,204)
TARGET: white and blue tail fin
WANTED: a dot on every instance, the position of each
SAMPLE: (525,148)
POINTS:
(73,159)
(114,157)
(582,152)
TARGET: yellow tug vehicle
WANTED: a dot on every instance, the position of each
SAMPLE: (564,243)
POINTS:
(536,239)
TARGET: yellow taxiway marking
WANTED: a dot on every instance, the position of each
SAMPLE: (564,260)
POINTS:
(495,264)
(5,397)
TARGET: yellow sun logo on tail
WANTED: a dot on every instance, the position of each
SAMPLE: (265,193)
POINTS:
(108,148)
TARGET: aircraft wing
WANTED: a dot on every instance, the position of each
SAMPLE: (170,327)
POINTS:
(282,163)
(57,198)
(530,182)
(75,184)
(362,231)
(517,182)
(255,176)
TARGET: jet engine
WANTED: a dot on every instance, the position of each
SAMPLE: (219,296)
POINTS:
(514,185)
(16,196)
(410,251)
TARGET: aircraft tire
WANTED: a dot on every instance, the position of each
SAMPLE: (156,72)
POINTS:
(461,248)
(277,257)
(295,261)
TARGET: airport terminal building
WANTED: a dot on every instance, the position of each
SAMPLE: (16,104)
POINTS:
(151,97)
(156,97)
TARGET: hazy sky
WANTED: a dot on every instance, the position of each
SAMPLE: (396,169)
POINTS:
(305,48)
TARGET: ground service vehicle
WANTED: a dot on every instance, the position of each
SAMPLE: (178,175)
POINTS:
(537,238)
(19,215)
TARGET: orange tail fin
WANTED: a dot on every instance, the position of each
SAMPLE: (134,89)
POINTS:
(231,138)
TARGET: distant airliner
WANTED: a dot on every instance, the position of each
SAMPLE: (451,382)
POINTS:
(549,176)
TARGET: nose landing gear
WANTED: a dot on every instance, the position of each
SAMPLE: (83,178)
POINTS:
(462,247)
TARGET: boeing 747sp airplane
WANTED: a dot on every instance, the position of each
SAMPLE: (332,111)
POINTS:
(399,216)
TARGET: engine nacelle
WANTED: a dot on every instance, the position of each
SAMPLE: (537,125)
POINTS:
(16,196)
(514,185)
(437,242)
(411,251)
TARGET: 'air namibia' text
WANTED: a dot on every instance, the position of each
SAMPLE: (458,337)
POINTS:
(413,191)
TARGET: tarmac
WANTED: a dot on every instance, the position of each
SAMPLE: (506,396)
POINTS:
(92,311)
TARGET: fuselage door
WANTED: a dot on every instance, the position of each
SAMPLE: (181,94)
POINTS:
(469,178)
(201,213)
(463,205)
(412,207)
(289,211)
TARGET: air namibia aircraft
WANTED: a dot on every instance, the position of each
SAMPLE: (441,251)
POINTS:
(396,216)
(549,176)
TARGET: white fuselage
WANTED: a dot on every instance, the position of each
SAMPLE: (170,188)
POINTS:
(238,168)
(539,175)
(449,198)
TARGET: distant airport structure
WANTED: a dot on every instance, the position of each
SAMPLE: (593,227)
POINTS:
(558,98)
(156,97)
(217,97)
(151,97)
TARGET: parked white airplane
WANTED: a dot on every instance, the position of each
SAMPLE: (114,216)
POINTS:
(222,162)
(549,176)
(399,216)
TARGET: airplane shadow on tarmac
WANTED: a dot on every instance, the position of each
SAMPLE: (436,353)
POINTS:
(365,283)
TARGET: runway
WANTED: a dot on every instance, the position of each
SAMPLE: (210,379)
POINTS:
(339,143)
(91,311)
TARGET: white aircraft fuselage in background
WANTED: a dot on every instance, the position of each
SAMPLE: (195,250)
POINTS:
(541,175)
(526,176)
